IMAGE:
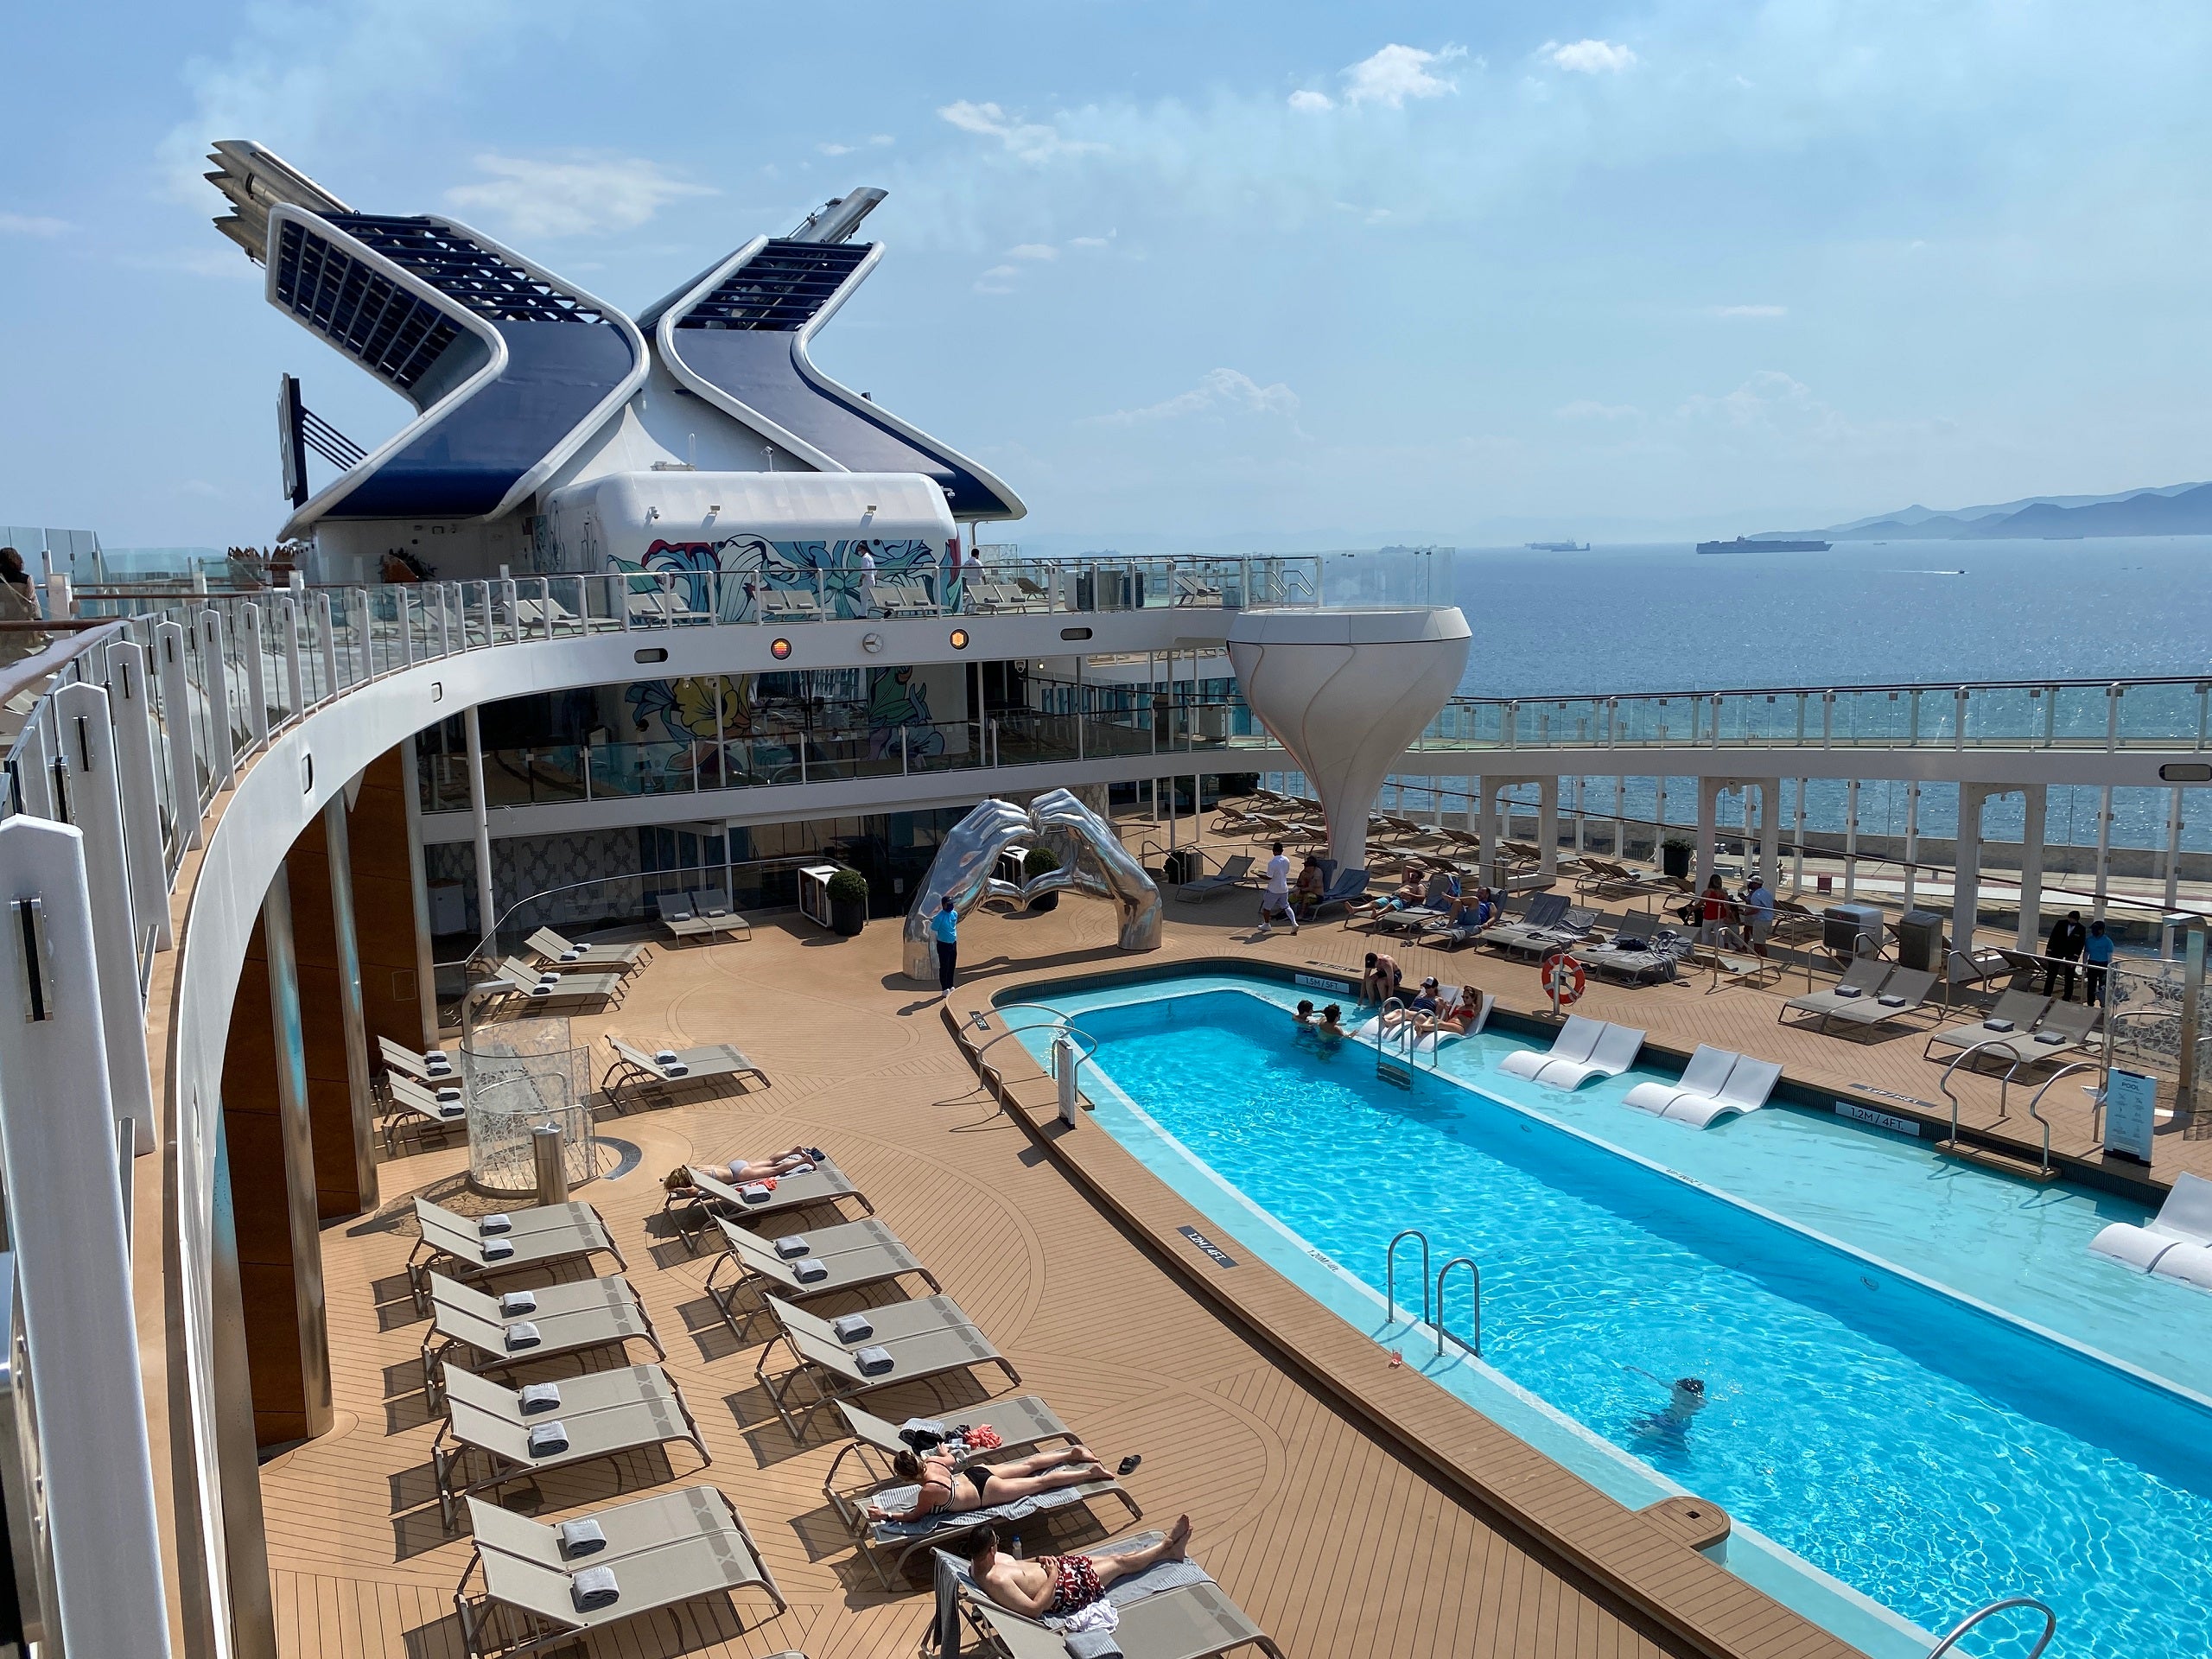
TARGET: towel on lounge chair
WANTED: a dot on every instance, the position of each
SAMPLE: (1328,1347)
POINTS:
(517,1303)
(522,1334)
(582,1537)
(807,1272)
(547,1439)
(540,1397)
(594,1587)
(852,1328)
(873,1361)
(497,1224)
(791,1246)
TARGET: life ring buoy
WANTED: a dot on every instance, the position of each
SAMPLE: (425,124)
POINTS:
(1562,977)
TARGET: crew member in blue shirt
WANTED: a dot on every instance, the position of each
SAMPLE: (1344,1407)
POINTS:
(2096,950)
(944,927)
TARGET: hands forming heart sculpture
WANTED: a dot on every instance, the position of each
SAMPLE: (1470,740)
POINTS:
(1091,860)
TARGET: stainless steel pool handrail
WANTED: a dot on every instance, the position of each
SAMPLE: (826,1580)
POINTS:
(2006,1605)
(1943,1085)
(1390,1276)
(1475,1275)
(2035,1103)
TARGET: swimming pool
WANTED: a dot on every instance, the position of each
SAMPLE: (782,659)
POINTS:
(1923,1448)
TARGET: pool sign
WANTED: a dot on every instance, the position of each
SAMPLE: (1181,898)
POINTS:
(2131,1114)
(1219,1257)
(1860,1114)
(1312,982)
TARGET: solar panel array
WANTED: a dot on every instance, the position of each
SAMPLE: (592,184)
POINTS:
(460,270)
(780,288)
(393,334)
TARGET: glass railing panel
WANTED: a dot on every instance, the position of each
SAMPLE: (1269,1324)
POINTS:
(1871,717)
(2162,716)
(2003,716)
(2078,716)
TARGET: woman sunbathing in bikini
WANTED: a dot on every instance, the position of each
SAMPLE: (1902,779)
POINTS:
(947,1489)
(772,1167)
(1050,1586)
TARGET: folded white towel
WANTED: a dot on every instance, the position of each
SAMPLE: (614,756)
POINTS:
(594,1588)
(664,1056)
(436,1057)
(449,1110)
(582,1537)
(516,1303)
(572,956)
(676,1069)
(791,1246)
(851,1328)
(756,1192)
(522,1334)
(499,1223)
(807,1272)
(873,1361)
(1100,1617)
(541,990)
(445,1095)
(497,1249)
(2049,1036)
(540,1397)
(548,1439)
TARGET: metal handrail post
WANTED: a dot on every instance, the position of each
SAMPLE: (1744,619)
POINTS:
(1950,1642)
(2034,1104)
(1943,1086)
(1475,1275)
(1390,1276)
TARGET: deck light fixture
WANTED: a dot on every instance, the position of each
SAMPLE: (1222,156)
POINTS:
(779,649)
(960,639)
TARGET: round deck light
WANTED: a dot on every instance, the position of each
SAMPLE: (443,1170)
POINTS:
(960,639)
(779,649)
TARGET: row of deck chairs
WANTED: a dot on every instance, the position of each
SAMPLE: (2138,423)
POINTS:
(2023,1028)
(701,915)
(1870,994)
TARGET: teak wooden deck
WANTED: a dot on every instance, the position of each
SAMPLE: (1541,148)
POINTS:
(1337,1541)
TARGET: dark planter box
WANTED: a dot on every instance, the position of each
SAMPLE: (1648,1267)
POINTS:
(1675,861)
(848,916)
(1045,901)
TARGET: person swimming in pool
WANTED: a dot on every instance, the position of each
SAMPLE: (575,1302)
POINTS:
(1332,1025)
(1685,1399)
(1305,1012)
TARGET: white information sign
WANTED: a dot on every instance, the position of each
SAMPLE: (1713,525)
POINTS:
(2131,1113)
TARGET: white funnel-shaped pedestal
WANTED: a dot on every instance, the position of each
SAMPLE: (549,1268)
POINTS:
(1345,692)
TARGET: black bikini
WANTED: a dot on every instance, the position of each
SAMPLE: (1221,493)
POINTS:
(982,1479)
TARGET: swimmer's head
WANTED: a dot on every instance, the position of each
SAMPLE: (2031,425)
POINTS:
(1691,1385)
(1305,1008)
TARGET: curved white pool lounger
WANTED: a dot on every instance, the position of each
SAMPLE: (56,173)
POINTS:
(1717,1082)
(1611,1049)
(1575,1040)
(1701,1079)
(2176,1243)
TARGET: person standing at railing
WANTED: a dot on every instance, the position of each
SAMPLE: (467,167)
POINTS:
(867,580)
(2068,940)
(2096,950)
(1758,906)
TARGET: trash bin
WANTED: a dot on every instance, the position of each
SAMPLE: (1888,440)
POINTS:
(1852,930)
(1920,940)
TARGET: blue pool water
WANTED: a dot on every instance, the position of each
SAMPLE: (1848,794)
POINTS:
(1921,1449)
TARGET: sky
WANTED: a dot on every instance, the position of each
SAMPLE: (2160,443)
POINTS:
(1200,275)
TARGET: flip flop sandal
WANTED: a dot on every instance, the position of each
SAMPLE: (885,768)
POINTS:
(1129,1464)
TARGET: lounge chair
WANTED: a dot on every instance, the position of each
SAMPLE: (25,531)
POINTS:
(598,1414)
(434,1067)
(678,916)
(1612,1050)
(563,1318)
(1904,992)
(517,978)
(1349,885)
(897,599)
(790,605)
(673,1068)
(1022,1424)
(2015,1015)
(1171,1611)
(1232,873)
(409,1101)
(885,1323)
(534,1238)
(714,909)
(1550,923)
(825,1183)
(657,606)
(1573,1042)
(2176,1243)
(563,953)
(1637,958)
(852,1256)
(832,1372)
(1717,1083)
(2061,1033)
(1862,978)
(662,1552)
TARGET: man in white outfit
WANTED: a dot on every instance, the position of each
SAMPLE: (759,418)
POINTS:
(1275,896)
(867,580)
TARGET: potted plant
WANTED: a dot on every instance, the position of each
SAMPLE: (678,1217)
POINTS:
(847,901)
(1041,860)
(1675,856)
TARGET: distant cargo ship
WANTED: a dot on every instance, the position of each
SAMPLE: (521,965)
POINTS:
(1557,547)
(1745,545)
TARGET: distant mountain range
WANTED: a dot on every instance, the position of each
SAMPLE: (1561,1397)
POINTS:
(2170,510)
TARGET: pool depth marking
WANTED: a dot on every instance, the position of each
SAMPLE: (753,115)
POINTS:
(1221,1258)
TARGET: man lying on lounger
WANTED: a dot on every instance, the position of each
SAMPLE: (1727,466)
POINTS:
(945,1489)
(1052,1586)
(737,1174)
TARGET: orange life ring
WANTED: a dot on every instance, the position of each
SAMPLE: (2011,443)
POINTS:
(1561,977)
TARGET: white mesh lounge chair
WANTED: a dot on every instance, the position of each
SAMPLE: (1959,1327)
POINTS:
(849,1256)
(1232,873)
(1572,1043)
(543,985)
(887,1546)
(660,1551)
(1863,979)
(598,1414)
(825,1184)
(434,1067)
(563,953)
(524,1326)
(673,1068)
(442,1108)
(2007,1024)
(679,918)
(1905,992)
(532,1238)
(2176,1243)
(790,605)
(713,909)
(2061,1034)
(830,1372)
(1171,1610)
(1022,1424)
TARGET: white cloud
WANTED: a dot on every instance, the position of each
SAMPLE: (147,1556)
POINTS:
(1586,409)
(1033,251)
(1218,389)
(1026,141)
(1747,310)
(32,225)
(998,279)
(1588,57)
(882,140)
(1089,241)
(1396,73)
(835,149)
(570,198)
(1309,102)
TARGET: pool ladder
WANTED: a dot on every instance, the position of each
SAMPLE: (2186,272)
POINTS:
(1432,1313)
(1950,1643)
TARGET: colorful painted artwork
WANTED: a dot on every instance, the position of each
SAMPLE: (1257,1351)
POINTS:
(828,569)
(897,704)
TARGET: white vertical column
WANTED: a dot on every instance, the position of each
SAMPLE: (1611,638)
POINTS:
(1708,814)
(72,1265)
(1911,838)
(95,807)
(1770,832)
(1965,873)
(130,706)
(2035,802)
(1797,843)
(256,689)
(479,811)
(2173,847)
(418,883)
(1620,794)
(1850,840)
(2104,849)
(1547,825)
